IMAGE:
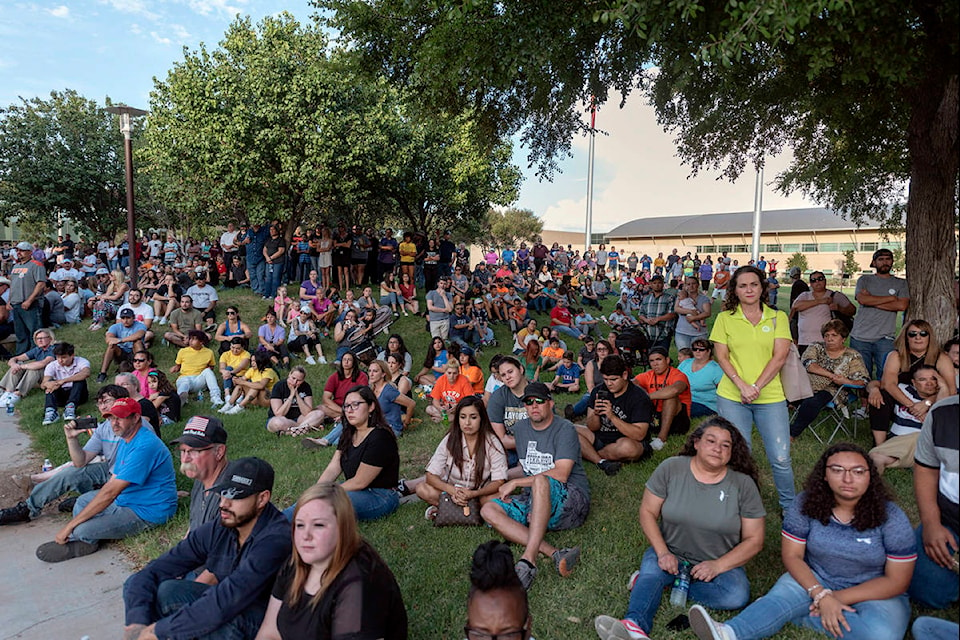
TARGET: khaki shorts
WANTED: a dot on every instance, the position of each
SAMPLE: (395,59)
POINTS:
(900,447)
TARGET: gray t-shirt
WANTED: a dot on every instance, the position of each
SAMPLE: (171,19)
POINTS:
(204,505)
(871,324)
(539,450)
(702,521)
(506,408)
(439,300)
(202,296)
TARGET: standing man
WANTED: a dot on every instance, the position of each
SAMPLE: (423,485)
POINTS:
(242,552)
(656,314)
(387,258)
(447,251)
(27,282)
(229,243)
(880,295)
(721,279)
(257,236)
(555,494)
(797,287)
(274,249)
(439,308)
(141,493)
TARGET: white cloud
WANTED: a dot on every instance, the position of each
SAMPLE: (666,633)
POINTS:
(638,174)
(135,29)
(160,39)
(62,11)
(219,7)
(134,7)
(181,33)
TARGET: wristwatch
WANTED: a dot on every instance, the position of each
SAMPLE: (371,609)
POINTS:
(928,403)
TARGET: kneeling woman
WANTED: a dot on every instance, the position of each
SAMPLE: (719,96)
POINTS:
(701,512)
(849,553)
(470,461)
(367,456)
(335,585)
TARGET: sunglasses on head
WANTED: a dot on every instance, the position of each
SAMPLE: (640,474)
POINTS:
(921,333)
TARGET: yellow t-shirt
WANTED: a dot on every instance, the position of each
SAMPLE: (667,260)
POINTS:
(408,251)
(268,374)
(193,361)
(227,359)
(751,348)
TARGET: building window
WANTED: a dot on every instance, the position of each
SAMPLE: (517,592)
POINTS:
(791,248)
(869,246)
(773,248)
(597,239)
(848,246)
(893,246)
(706,248)
(724,247)
(741,248)
(832,247)
(809,247)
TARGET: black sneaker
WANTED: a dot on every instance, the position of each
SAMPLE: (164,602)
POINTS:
(15,514)
(526,572)
(568,412)
(56,552)
(67,505)
(609,467)
(101,378)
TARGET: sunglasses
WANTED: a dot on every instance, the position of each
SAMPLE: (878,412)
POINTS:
(819,279)
(139,359)
(914,334)
(231,313)
(700,349)
(530,401)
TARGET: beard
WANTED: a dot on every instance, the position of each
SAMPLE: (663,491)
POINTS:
(884,268)
(234,520)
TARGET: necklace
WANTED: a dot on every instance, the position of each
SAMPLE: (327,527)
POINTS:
(839,519)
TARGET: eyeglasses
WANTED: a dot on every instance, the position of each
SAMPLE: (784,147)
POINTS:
(856,472)
(476,634)
(818,279)
(914,334)
(193,452)
(139,359)
(530,401)
(352,406)
(699,349)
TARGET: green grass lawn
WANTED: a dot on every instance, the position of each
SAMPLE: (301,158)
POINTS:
(432,564)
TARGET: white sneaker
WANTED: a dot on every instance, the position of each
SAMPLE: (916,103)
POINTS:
(163,320)
(234,410)
(14,399)
(310,360)
(5,399)
(656,444)
(705,627)
(323,360)
(225,408)
(216,403)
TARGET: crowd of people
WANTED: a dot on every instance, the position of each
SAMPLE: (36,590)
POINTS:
(510,457)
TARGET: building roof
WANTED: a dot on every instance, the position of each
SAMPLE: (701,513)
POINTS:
(780,221)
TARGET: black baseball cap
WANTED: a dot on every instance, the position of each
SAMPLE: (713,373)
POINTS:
(202,431)
(127,313)
(245,477)
(537,390)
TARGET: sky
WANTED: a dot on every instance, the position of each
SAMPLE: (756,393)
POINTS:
(116,48)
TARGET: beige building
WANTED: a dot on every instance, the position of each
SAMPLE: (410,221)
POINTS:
(820,234)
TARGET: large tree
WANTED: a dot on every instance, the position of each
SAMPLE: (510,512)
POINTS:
(273,124)
(865,93)
(62,158)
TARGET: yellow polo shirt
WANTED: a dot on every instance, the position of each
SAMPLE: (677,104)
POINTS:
(268,374)
(751,348)
(192,361)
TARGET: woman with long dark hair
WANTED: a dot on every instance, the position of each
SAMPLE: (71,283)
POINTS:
(366,456)
(395,344)
(434,362)
(335,585)
(751,341)
(470,461)
(703,516)
(849,552)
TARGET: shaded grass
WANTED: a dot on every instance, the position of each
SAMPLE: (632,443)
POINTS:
(431,564)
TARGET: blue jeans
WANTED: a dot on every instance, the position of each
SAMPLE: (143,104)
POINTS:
(568,331)
(685,342)
(25,324)
(174,594)
(391,298)
(89,477)
(787,602)
(729,590)
(113,523)
(258,271)
(273,274)
(580,408)
(334,436)
(773,423)
(934,629)
(369,504)
(698,410)
(932,585)
(874,354)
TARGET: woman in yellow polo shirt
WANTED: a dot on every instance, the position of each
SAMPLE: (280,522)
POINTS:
(751,343)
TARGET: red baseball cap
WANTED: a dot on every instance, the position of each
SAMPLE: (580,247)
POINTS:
(124,408)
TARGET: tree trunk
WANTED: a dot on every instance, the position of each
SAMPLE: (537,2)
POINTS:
(931,227)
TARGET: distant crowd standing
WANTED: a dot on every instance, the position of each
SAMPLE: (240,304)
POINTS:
(510,457)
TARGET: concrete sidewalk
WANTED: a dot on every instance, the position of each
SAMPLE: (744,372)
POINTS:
(41,601)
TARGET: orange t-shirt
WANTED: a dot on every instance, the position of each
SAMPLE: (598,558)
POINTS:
(451,394)
(552,352)
(474,375)
(721,278)
(650,382)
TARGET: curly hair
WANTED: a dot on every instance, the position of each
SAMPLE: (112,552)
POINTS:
(819,500)
(492,570)
(740,458)
(732,301)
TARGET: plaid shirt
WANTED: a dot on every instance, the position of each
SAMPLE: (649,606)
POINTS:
(652,307)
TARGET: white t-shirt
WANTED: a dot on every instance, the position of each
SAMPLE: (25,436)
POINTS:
(228,239)
(142,312)
(155,246)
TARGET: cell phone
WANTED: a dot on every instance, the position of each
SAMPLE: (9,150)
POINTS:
(680,623)
(604,394)
(86,422)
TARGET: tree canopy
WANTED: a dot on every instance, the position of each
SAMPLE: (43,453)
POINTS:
(864,93)
(509,227)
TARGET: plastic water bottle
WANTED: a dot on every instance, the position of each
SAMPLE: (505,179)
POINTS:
(446,419)
(199,396)
(47,465)
(10,409)
(681,586)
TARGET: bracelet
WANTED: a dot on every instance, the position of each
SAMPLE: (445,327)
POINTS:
(820,596)
(754,385)
(734,377)
(810,590)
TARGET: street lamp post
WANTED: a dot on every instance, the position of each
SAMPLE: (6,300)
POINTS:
(126,113)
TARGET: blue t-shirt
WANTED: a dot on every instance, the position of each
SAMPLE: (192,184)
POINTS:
(392,412)
(438,362)
(36,353)
(507,255)
(123,332)
(843,557)
(703,383)
(571,375)
(146,464)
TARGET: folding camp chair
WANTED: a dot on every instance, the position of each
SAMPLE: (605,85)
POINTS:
(838,411)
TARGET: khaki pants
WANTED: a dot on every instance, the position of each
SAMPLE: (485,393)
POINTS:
(22,381)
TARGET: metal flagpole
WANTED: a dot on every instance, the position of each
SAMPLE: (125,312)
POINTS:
(757,210)
(593,123)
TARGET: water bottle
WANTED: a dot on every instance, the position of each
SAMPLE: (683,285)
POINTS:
(199,396)
(10,409)
(446,419)
(47,465)
(681,585)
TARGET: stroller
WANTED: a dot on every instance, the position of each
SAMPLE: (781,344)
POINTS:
(362,343)
(633,345)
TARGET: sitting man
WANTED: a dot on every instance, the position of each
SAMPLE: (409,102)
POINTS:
(26,369)
(204,299)
(618,419)
(142,311)
(203,459)
(897,451)
(123,338)
(140,494)
(555,493)
(64,383)
(183,320)
(242,551)
(195,365)
(89,468)
(669,390)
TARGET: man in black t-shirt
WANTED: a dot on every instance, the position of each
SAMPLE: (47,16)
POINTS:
(618,419)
